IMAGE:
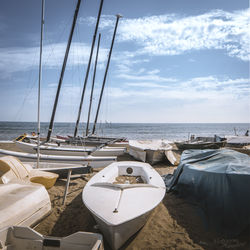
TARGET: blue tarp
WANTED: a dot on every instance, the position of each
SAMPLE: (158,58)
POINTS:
(219,181)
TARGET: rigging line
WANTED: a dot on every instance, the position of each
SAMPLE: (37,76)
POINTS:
(106,71)
(93,84)
(89,63)
(30,86)
(59,38)
(78,54)
(62,71)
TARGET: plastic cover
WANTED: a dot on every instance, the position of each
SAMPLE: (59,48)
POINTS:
(219,181)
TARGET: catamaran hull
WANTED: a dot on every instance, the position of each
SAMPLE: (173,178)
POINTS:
(93,161)
(70,151)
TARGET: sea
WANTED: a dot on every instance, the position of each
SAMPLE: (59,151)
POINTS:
(131,131)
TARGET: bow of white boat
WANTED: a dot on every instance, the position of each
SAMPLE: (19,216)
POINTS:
(118,203)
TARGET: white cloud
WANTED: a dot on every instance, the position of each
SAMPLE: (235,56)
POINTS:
(200,88)
(174,35)
(149,76)
(23,59)
(106,21)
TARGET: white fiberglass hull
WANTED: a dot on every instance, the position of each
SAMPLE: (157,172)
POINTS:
(70,150)
(20,237)
(122,209)
(119,234)
(151,151)
(93,161)
(22,203)
(150,156)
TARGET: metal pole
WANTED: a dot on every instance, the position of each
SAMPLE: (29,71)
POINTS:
(39,85)
(105,75)
(87,73)
(67,186)
(93,84)
(63,69)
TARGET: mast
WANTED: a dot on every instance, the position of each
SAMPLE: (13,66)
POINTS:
(39,85)
(106,71)
(93,84)
(63,69)
(87,72)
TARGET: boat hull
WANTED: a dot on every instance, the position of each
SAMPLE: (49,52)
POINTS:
(202,145)
(117,235)
(149,156)
(121,208)
(150,151)
(92,161)
(70,150)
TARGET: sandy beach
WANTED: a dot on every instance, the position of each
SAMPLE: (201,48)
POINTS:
(174,224)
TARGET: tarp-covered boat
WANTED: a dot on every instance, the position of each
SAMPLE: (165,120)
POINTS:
(219,181)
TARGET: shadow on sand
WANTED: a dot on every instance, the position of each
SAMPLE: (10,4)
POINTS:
(189,216)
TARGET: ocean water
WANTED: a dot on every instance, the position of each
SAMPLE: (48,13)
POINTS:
(169,131)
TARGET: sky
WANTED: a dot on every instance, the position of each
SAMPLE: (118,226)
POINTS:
(173,61)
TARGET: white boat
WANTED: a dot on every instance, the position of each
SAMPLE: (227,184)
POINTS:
(68,150)
(11,170)
(22,203)
(122,208)
(238,141)
(151,151)
(17,238)
(92,161)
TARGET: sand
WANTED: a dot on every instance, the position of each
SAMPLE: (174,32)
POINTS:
(173,224)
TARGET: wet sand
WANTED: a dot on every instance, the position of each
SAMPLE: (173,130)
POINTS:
(174,224)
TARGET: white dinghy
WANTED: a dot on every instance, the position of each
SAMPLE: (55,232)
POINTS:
(151,151)
(121,197)
(22,203)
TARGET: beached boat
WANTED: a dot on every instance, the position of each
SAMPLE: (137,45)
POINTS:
(121,197)
(151,151)
(67,150)
(92,161)
(11,169)
(200,142)
(22,203)
(218,182)
(16,238)
(238,141)
(199,145)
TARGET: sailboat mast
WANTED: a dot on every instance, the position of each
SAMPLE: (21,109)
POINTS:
(93,84)
(105,75)
(63,69)
(39,84)
(87,73)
